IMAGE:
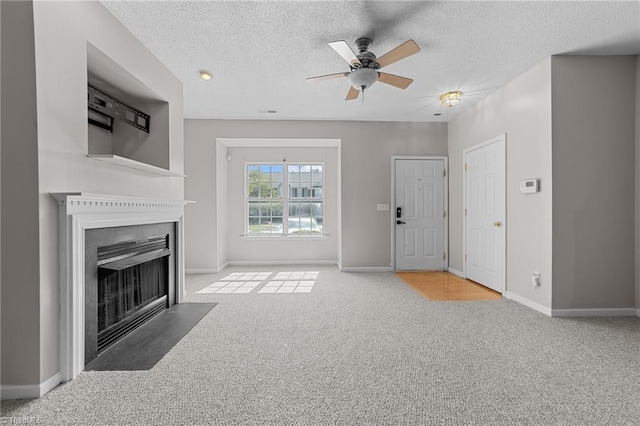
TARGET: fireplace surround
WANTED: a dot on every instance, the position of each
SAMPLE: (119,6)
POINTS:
(80,212)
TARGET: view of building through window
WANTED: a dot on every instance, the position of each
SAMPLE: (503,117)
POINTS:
(296,211)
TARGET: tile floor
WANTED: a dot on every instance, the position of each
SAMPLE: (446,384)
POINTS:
(281,282)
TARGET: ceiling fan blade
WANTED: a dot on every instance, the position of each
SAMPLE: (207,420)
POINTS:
(352,94)
(406,49)
(327,76)
(394,80)
(343,49)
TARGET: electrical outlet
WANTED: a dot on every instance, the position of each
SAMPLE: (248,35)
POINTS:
(535,279)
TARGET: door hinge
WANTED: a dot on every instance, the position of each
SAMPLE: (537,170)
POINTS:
(465,257)
(444,173)
(444,255)
(465,212)
(445,213)
(465,166)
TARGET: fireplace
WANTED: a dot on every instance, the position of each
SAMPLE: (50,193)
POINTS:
(92,221)
(129,280)
(130,290)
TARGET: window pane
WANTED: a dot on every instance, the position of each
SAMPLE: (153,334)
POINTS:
(276,170)
(305,181)
(301,218)
(254,227)
(316,181)
(253,180)
(294,181)
(316,214)
(264,181)
(253,171)
(265,218)
(265,188)
(276,209)
(254,208)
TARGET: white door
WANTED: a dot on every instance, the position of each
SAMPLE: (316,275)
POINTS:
(484,213)
(419,214)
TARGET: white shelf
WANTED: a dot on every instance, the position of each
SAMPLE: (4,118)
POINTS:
(133,164)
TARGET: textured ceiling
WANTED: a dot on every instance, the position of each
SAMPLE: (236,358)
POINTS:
(261,52)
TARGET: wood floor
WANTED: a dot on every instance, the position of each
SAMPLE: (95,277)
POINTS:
(443,286)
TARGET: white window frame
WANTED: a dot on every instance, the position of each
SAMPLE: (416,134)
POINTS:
(285,199)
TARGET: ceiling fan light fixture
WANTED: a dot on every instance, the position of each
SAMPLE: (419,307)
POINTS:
(205,75)
(450,98)
(362,78)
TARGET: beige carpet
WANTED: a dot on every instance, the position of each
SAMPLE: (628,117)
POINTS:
(364,349)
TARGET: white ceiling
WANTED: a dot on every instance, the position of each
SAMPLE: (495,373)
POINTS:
(261,52)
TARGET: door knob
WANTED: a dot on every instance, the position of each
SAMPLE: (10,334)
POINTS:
(498,224)
(399,222)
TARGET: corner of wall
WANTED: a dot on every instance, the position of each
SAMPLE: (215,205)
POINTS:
(20,202)
(637,187)
(588,142)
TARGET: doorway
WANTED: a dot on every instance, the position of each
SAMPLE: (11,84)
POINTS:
(419,219)
(485,213)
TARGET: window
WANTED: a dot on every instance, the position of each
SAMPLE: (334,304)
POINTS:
(296,211)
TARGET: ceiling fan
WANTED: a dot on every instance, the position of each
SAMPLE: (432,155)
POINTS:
(364,65)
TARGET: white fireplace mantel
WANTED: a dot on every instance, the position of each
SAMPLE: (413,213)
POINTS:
(79,212)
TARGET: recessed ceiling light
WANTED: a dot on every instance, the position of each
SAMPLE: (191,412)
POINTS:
(205,75)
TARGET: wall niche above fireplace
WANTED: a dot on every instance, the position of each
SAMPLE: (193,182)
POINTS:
(120,142)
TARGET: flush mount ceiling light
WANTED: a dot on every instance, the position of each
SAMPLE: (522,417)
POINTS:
(450,98)
(362,78)
(205,75)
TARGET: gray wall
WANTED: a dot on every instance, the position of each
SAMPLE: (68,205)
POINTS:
(63,30)
(52,86)
(200,185)
(522,110)
(637,188)
(593,181)
(366,151)
(19,153)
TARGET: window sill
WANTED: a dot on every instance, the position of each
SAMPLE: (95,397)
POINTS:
(283,237)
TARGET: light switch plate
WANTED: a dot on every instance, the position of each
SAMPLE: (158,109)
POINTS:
(383,207)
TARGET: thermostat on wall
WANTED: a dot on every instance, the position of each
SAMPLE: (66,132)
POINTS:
(528,186)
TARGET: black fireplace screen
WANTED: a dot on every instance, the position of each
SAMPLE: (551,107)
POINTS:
(123,293)
(132,287)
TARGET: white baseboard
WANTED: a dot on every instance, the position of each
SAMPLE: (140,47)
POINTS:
(613,312)
(30,391)
(528,303)
(366,269)
(280,262)
(257,263)
(207,270)
(201,271)
(454,271)
(638,312)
